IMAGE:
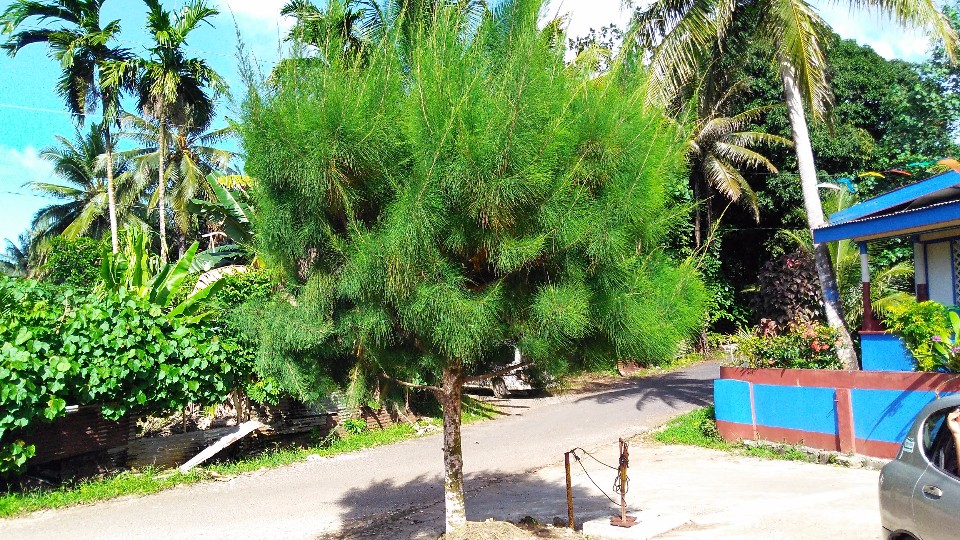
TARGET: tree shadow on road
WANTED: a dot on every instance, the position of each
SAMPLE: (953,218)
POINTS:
(678,388)
(419,510)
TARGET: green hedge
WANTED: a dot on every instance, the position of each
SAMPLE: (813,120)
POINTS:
(60,347)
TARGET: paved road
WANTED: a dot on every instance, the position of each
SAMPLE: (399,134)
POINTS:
(389,492)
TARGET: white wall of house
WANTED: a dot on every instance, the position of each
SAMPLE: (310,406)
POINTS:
(940,272)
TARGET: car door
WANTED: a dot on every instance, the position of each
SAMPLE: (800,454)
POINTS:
(936,498)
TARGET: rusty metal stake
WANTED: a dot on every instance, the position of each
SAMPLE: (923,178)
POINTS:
(623,520)
(566,463)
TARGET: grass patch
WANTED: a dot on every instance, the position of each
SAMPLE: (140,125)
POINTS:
(699,428)
(476,410)
(695,428)
(96,489)
(147,481)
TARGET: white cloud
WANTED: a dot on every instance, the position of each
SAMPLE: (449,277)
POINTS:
(20,166)
(263,15)
(17,203)
(587,14)
(881,33)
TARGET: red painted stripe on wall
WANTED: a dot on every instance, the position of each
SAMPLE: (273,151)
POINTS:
(825,441)
(878,380)
(880,449)
(845,427)
(732,431)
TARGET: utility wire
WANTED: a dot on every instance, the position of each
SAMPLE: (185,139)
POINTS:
(22,194)
(77,115)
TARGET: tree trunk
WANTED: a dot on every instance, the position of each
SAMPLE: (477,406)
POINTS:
(450,398)
(814,210)
(161,192)
(111,189)
(697,212)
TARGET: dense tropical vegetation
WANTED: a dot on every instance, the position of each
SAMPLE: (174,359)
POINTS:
(418,186)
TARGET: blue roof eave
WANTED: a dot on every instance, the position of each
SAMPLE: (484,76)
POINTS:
(931,218)
(896,197)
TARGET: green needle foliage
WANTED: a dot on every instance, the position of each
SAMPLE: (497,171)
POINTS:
(448,193)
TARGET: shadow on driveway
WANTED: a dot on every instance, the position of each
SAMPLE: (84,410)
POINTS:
(491,496)
(674,389)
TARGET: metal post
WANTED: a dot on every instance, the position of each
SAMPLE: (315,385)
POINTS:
(623,520)
(623,481)
(566,463)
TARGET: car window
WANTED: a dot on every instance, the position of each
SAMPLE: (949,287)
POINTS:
(938,443)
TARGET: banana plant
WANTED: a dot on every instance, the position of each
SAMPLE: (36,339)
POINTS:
(233,215)
(133,268)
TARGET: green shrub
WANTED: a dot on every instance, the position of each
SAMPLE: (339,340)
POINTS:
(354,426)
(254,285)
(74,262)
(115,349)
(929,331)
(798,346)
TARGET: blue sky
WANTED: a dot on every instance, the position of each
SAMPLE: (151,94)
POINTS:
(31,113)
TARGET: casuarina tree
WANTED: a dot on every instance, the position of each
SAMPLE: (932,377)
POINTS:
(459,190)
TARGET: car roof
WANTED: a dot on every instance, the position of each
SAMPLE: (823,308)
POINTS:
(944,402)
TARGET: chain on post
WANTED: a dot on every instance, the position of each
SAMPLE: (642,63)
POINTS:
(621,485)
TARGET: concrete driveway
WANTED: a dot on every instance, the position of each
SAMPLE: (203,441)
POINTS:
(514,468)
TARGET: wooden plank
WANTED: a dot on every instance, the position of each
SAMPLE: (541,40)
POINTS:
(238,433)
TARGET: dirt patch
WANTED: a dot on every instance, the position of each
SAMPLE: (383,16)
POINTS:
(488,530)
(503,530)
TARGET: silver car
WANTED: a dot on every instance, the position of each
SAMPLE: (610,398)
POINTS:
(920,489)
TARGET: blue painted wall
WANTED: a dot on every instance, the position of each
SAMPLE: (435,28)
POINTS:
(878,415)
(885,352)
(796,407)
(732,401)
(886,415)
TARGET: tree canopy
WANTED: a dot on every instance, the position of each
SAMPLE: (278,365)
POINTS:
(457,191)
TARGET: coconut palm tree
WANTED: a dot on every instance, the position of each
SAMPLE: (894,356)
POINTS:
(682,35)
(15,261)
(81,169)
(356,22)
(190,155)
(719,147)
(175,90)
(72,30)
(360,22)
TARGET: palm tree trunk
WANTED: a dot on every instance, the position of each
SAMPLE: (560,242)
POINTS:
(161,191)
(697,213)
(111,189)
(450,395)
(814,210)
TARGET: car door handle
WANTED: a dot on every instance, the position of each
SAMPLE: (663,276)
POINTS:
(932,492)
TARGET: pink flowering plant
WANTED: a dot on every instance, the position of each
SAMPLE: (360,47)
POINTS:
(799,345)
